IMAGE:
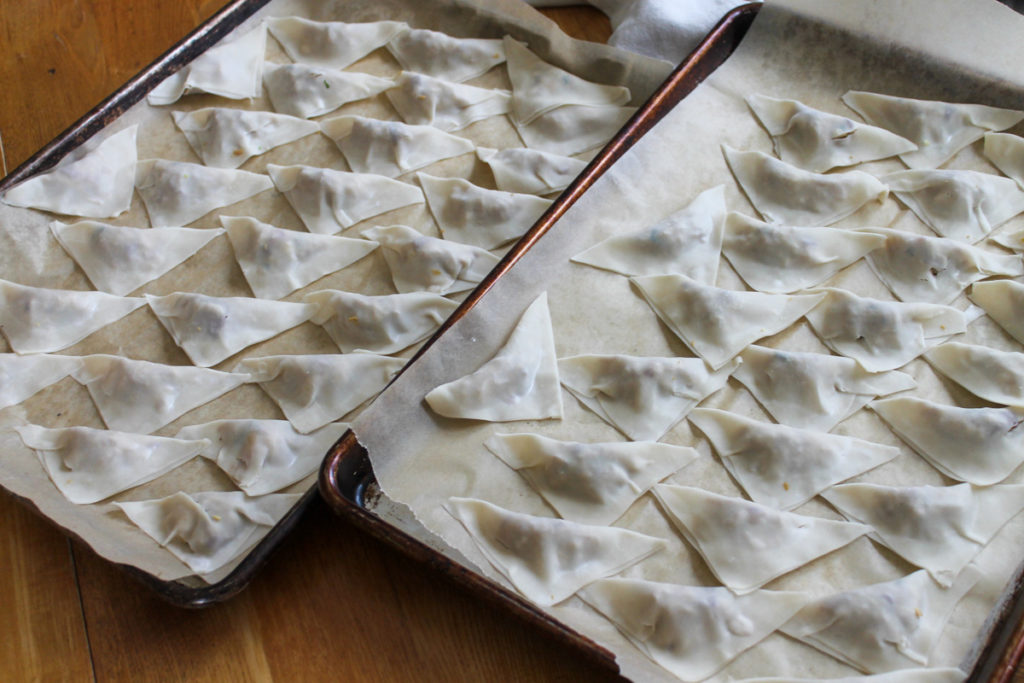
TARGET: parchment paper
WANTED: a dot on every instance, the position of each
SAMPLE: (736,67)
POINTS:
(30,255)
(804,49)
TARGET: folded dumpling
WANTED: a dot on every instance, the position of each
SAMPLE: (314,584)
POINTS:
(211,328)
(783,466)
(1003,301)
(530,171)
(231,69)
(996,376)
(590,483)
(1007,153)
(227,138)
(717,324)
(307,91)
(89,465)
(421,263)
(96,180)
(177,192)
(574,129)
(643,397)
(549,559)
(276,262)
(443,56)
(391,148)
(23,376)
(382,324)
(520,382)
(333,44)
(687,242)
(915,675)
(425,101)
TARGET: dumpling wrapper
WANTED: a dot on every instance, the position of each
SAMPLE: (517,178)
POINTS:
(177,192)
(915,675)
(784,466)
(443,56)
(813,390)
(118,260)
(210,328)
(574,129)
(391,148)
(421,263)
(381,324)
(939,129)
(549,559)
(332,44)
(307,91)
(996,376)
(42,320)
(1003,301)
(520,382)
(785,194)
(977,445)
(717,324)
(276,262)
(90,465)
(263,456)
(96,180)
(747,544)
(1006,152)
(643,397)
(819,141)
(141,397)
(934,270)
(882,335)
(22,376)
(207,530)
(687,242)
(227,138)
(477,216)
(883,626)
(589,483)
(961,205)
(425,101)
(313,390)
(539,87)
(778,259)
(530,171)
(662,620)
(329,201)
(231,69)
(937,528)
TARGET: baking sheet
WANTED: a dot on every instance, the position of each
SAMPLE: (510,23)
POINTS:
(811,51)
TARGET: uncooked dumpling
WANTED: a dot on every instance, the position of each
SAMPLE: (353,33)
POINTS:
(530,171)
(443,56)
(425,101)
(333,44)
(548,559)
(1007,153)
(574,129)
(23,376)
(996,376)
(230,70)
(227,138)
(391,148)
(1003,301)
(96,180)
(590,483)
(177,192)
(306,91)
(520,382)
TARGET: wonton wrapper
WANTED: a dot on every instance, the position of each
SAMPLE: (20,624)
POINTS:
(307,91)
(332,44)
(574,129)
(231,69)
(996,376)
(425,101)
(938,675)
(391,148)
(443,56)
(530,171)
(421,263)
(227,138)
(177,192)
(23,376)
(1003,301)
(1006,152)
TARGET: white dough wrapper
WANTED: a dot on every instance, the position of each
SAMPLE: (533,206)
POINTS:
(425,101)
(331,44)
(307,91)
(232,69)
(1003,301)
(227,138)
(391,148)
(443,56)
(23,376)
(177,192)
(1007,153)
(530,171)
(937,675)
(996,376)
(574,129)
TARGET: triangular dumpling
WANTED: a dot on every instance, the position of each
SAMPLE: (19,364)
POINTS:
(231,69)
(141,397)
(961,205)
(23,376)
(88,465)
(783,466)
(813,390)
(263,456)
(716,323)
(549,559)
(334,44)
(687,242)
(539,87)
(1007,153)
(642,397)
(473,215)
(692,631)
(747,544)
(421,263)
(996,376)
(177,192)
(96,180)
(785,194)
(329,201)
(382,324)
(227,138)
(119,259)
(211,328)
(1002,300)
(530,171)
(574,129)
(391,148)
(306,91)
(425,101)
(520,382)
(443,56)
(276,262)
(589,483)
(41,320)
(780,258)
(978,445)
(939,129)
(818,141)
(313,390)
